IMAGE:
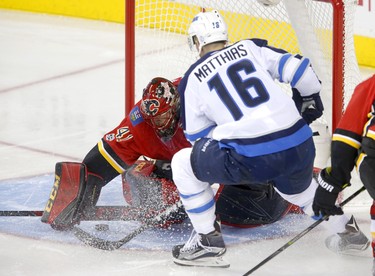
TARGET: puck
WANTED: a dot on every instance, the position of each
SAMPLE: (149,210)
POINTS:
(102,227)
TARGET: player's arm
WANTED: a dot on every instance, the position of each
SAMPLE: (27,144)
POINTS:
(295,70)
(346,141)
(298,72)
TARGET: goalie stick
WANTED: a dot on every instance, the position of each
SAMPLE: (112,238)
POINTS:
(108,213)
(301,234)
(99,243)
(21,213)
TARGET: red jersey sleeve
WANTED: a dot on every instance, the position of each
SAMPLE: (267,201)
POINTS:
(356,122)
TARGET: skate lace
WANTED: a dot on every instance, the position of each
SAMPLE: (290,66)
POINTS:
(194,242)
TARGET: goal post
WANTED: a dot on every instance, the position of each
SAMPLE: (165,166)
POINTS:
(322,30)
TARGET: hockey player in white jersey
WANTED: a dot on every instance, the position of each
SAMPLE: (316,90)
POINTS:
(244,129)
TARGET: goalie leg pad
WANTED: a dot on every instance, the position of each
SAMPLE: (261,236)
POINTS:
(249,206)
(67,192)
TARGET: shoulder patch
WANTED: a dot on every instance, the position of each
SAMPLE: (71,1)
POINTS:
(135,116)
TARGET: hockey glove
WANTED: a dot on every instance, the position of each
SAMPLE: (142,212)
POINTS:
(163,169)
(310,107)
(326,195)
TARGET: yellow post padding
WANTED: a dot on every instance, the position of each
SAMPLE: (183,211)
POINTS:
(108,10)
(114,11)
(365,50)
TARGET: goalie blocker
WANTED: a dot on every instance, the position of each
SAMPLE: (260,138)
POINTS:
(146,186)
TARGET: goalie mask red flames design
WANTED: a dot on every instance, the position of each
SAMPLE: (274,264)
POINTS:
(160,107)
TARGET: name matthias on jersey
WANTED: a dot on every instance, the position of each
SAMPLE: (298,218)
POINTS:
(232,53)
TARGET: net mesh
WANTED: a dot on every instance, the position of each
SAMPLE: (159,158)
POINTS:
(302,27)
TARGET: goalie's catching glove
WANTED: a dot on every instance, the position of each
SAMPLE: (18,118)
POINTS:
(326,194)
(310,107)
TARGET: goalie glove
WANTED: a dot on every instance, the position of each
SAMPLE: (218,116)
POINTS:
(326,194)
(310,107)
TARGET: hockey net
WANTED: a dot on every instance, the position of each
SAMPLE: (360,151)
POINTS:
(156,44)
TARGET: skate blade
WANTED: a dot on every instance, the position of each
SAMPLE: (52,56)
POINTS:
(360,251)
(204,262)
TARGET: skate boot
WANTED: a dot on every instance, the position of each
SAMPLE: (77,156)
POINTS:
(201,250)
(350,241)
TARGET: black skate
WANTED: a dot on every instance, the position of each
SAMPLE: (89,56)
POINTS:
(350,241)
(202,250)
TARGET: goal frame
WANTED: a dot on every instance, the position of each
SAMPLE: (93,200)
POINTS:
(338,32)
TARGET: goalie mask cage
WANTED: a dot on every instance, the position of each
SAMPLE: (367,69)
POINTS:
(156,40)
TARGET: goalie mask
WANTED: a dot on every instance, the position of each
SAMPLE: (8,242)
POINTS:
(160,107)
(206,28)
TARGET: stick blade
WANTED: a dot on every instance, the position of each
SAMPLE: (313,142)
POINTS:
(95,242)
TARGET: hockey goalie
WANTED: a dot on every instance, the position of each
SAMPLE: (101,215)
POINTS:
(152,129)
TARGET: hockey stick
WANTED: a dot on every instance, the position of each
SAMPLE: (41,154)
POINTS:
(99,243)
(100,213)
(21,213)
(301,234)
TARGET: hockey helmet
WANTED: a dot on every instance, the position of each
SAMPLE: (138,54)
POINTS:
(207,27)
(160,107)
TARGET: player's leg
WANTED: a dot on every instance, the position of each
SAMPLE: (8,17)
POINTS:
(251,205)
(366,169)
(206,243)
(76,190)
(193,170)
(346,235)
(71,197)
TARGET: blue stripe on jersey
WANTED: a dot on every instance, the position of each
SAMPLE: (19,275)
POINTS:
(200,134)
(300,71)
(189,196)
(282,63)
(202,208)
(270,143)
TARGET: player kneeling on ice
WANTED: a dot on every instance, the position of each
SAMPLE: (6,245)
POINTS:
(151,129)
(244,129)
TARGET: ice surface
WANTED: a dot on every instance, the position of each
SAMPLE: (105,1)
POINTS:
(61,89)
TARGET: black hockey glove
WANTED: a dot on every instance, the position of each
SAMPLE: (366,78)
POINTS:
(326,195)
(310,108)
(163,169)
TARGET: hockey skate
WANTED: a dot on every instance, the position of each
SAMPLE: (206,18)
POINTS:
(352,240)
(202,250)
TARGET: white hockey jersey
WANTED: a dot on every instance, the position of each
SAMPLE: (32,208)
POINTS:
(231,96)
